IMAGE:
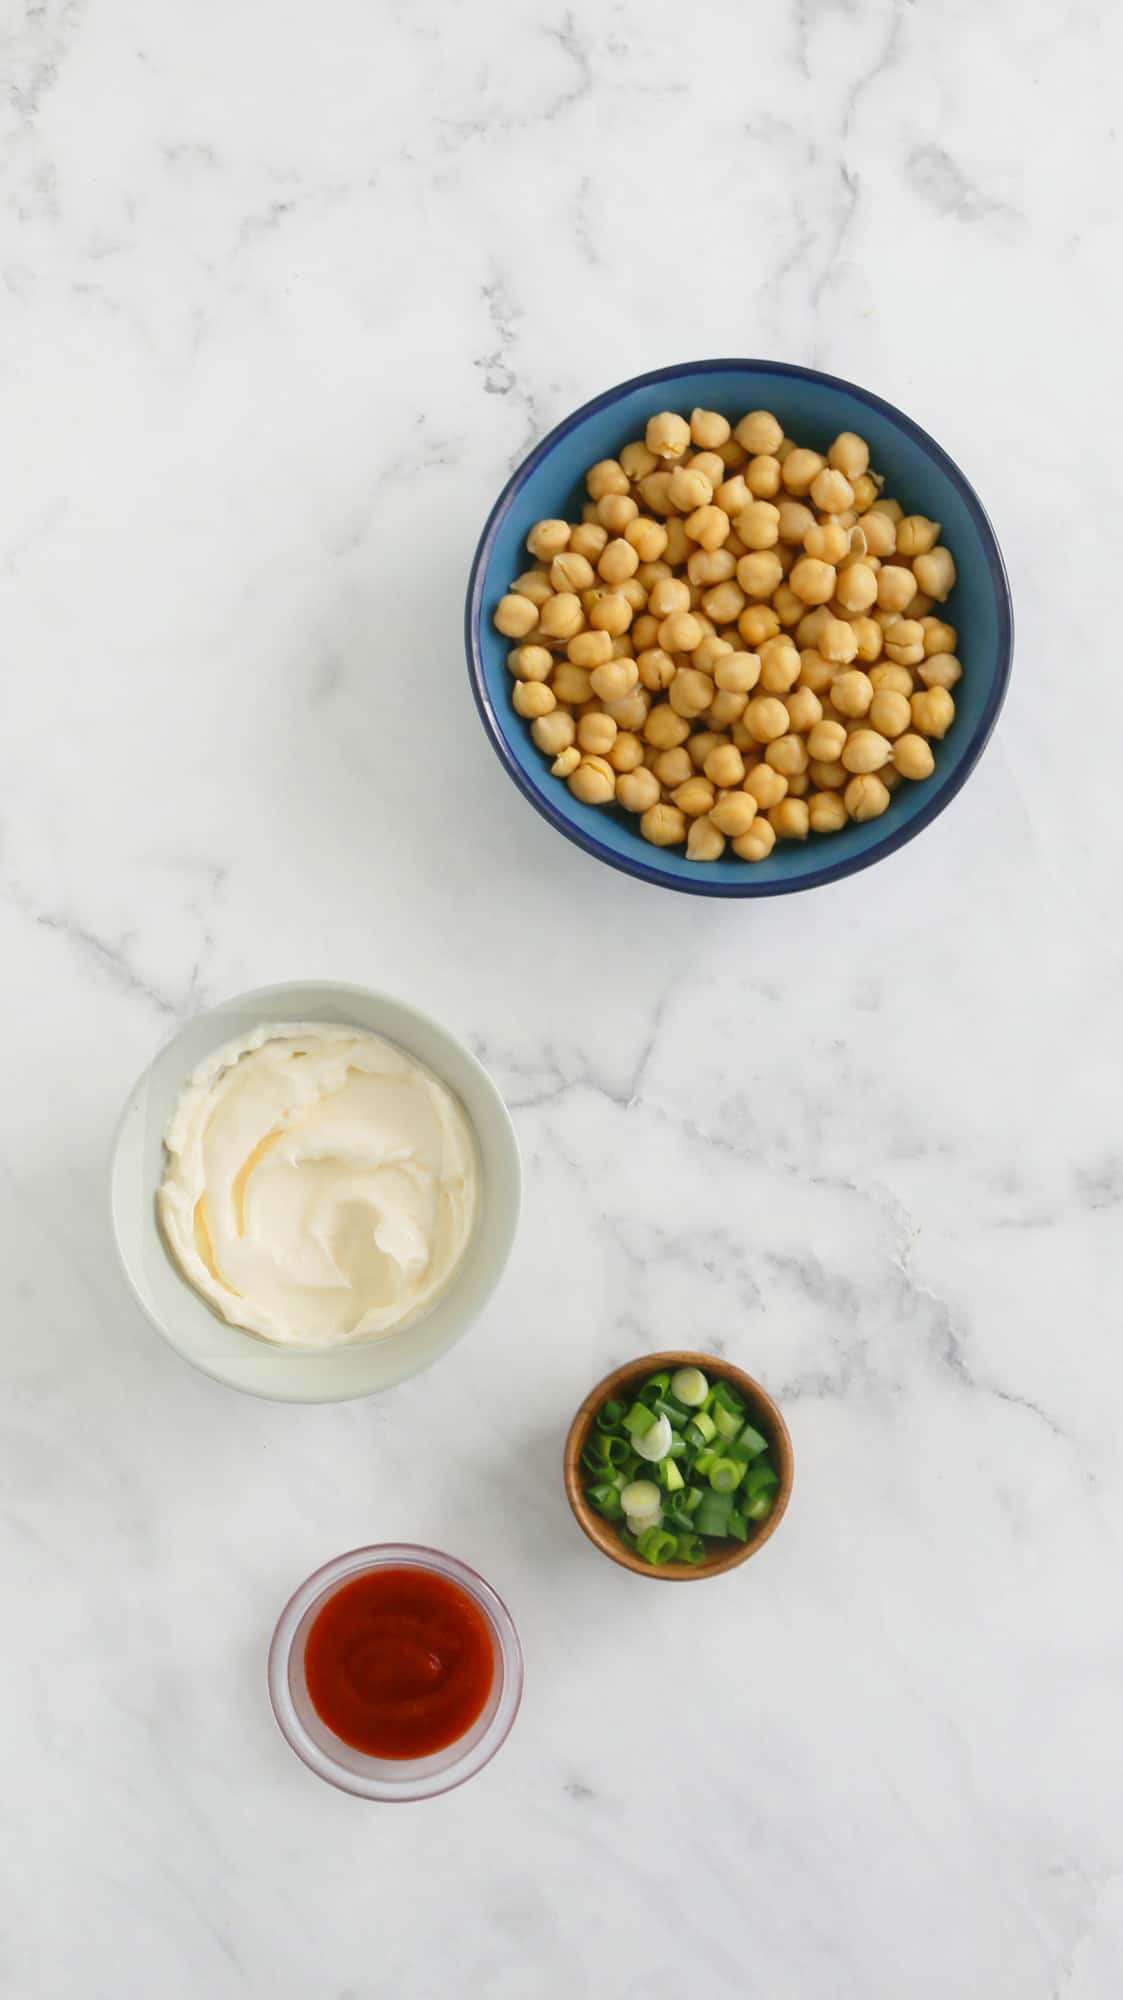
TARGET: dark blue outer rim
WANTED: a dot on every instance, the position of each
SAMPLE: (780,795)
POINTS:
(832,871)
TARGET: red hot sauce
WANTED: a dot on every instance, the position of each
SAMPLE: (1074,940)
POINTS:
(400,1662)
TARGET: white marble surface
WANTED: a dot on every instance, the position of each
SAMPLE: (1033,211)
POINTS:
(286,292)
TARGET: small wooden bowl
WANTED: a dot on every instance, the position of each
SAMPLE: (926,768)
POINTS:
(622,1383)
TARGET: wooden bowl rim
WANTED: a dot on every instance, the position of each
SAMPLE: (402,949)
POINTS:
(602,1534)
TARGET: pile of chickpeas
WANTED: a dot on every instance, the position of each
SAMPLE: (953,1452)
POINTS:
(739,641)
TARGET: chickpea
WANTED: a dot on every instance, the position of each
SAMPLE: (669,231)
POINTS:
(533,698)
(904,643)
(593,782)
(664,730)
(880,532)
(709,463)
(690,693)
(588,540)
(866,796)
(759,573)
(896,587)
(656,668)
(935,573)
(767,718)
(667,435)
(757,623)
(732,455)
(530,663)
(791,819)
(554,732)
(701,743)
(788,754)
(757,843)
(694,796)
(913,758)
(831,491)
(795,521)
(725,766)
(801,468)
(849,454)
(892,508)
(626,752)
(570,572)
(607,476)
(566,762)
(826,741)
(852,692)
(779,665)
(813,581)
(708,429)
(611,613)
(764,476)
(939,637)
(866,750)
(711,650)
(638,790)
(648,538)
(870,639)
(637,461)
(827,541)
(788,607)
(622,647)
(515,616)
(737,673)
(942,670)
(890,713)
(703,841)
(673,767)
(562,617)
(857,587)
(916,534)
(805,711)
(669,594)
(589,649)
(572,684)
(663,825)
(547,539)
(596,733)
(759,432)
(726,709)
(618,563)
(830,775)
(707,526)
(655,491)
(888,679)
(766,786)
(680,632)
(678,547)
(614,680)
(933,712)
(705,567)
(758,524)
(724,602)
(616,512)
(815,673)
(689,489)
(826,812)
(631,713)
(732,496)
(837,642)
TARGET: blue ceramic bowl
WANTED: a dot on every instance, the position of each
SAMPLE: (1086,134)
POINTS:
(813,408)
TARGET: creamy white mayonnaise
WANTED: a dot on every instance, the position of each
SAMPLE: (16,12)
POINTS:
(321,1185)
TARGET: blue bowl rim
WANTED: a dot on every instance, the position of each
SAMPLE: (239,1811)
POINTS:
(831,871)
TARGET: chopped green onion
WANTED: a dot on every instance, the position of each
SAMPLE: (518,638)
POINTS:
(747,1444)
(703,1425)
(677,1515)
(690,1549)
(606,1499)
(758,1509)
(760,1478)
(678,1447)
(738,1526)
(656,1442)
(593,1458)
(655,1387)
(675,1412)
(724,1475)
(656,1545)
(693,1498)
(726,1422)
(712,1517)
(610,1416)
(690,1386)
(638,1420)
(703,1463)
(669,1476)
(725,1398)
(641,1496)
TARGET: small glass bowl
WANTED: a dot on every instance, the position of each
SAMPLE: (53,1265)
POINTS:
(391,1778)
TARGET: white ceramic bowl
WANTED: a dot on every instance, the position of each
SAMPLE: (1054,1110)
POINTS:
(230,1354)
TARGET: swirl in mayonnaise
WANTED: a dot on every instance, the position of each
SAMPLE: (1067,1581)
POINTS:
(321,1185)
